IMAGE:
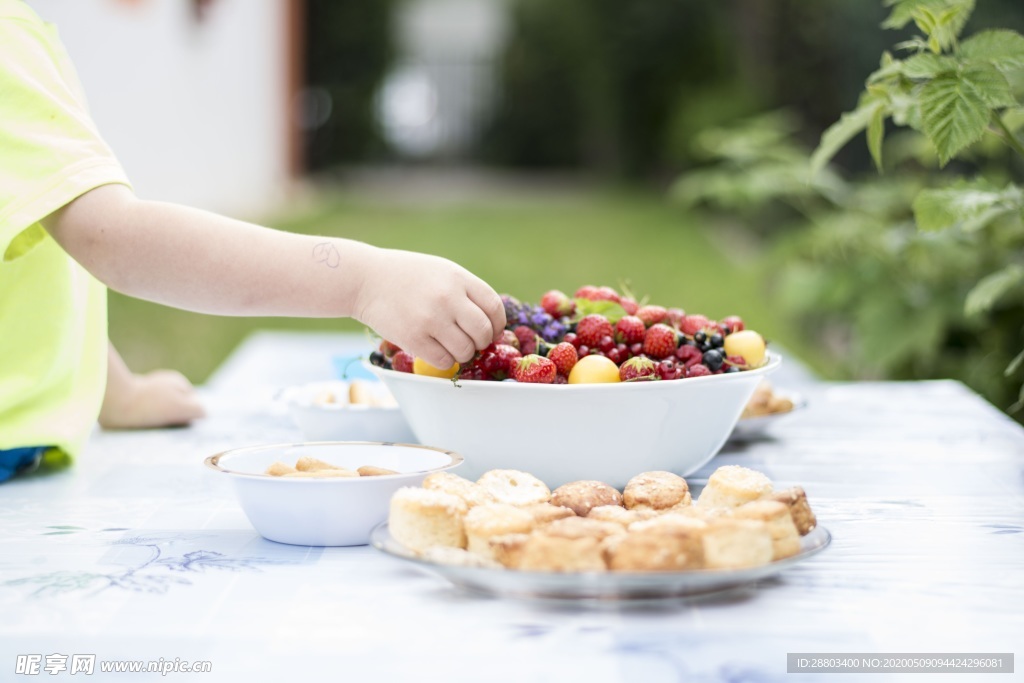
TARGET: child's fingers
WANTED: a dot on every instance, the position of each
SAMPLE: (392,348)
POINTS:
(433,352)
(481,294)
(475,323)
(459,344)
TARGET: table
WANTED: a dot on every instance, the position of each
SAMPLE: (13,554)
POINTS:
(139,553)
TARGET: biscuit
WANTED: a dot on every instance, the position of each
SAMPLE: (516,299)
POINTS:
(469,491)
(670,522)
(771,512)
(731,486)
(583,496)
(421,519)
(656,549)
(796,500)
(458,557)
(515,487)
(308,464)
(279,469)
(620,515)
(508,549)
(583,527)
(359,393)
(736,543)
(545,513)
(656,491)
(543,552)
(785,547)
(484,522)
(371,471)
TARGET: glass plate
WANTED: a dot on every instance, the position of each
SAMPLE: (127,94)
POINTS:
(595,585)
(750,428)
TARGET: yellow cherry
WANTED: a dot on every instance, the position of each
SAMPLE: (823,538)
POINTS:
(422,367)
(594,370)
(748,344)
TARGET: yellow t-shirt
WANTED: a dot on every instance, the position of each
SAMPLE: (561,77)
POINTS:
(53,314)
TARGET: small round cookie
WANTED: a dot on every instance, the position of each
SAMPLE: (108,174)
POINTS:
(545,513)
(508,549)
(421,519)
(771,512)
(656,549)
(458,557)
(543,552)
(620,515)
(785,547)
(656,491)
(736,543)
(484,522)
(515,487)
(731,486)
(469,491)
(583,527)
(583,496)
(796,500)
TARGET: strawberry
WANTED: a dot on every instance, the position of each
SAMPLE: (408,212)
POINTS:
(734,323)
(557,304)
(629,305)
(564,357)
(606,294)
(639,368)
(402,361)
(675,316)
(591,328)
(660,341)
(630,329)
(586,292)
(389,349)
(692,324)
(527,339)
(509,337)
(651,314)
(534,369)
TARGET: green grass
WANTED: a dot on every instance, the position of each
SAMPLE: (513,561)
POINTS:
(520,246)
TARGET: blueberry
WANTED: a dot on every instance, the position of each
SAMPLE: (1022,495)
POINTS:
(717,341)
(713,359)
(377,358)
(733,368)
(700,336)
(704,347)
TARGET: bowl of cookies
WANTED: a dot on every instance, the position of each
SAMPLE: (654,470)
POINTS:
(509,534)
(354,410)
(325,493)
(766,408)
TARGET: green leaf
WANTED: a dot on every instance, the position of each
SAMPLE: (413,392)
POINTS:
(990,84)
(888,68)
(842,131)
(1014,364)
(972,206)
(1003,49)
(984,295)
(927,65)
(876,132)
(608,309)
(954,114)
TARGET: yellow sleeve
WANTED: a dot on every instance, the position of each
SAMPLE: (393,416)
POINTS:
(50,150)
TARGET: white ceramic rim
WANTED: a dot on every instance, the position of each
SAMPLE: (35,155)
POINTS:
(213,462)
(774,360)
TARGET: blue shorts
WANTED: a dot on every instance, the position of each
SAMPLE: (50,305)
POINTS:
(20,460)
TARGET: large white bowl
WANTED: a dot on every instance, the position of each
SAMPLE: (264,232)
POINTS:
(563,433)
(343,421)
(325,512)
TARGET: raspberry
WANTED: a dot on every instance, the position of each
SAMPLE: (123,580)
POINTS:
(561,379)
(734,323)
(692,324)
(651,314)
(697,370)
(564,357)
(638,368)
(630,329)
(534,369)
(688,355)
(527,339)
(660,341)
(591,328)
(557,304)
(402,361)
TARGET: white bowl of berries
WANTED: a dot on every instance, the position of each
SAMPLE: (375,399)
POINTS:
(596,389)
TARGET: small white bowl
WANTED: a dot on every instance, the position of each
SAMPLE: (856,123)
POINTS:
(325,512)
(562,433)
(341,420)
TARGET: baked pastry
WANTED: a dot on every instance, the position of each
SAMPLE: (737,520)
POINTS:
(458,557)
(507,550)
(484,522)
(620,515)
(656,491)
(469,491)
(796,500)
(785,538)
(308,464)
(670,522)
(583,496)
(545,513)
(421,519)
(736,543)
(372,471)
(656,549)
(279,469)
(583,527)
(515,487)
(544,552)
(731,486)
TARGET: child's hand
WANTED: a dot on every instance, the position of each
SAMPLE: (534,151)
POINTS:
(162,398)
(429,306)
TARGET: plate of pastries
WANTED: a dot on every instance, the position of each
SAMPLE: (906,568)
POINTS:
(508,534)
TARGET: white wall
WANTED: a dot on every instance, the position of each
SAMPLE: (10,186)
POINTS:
(194,110)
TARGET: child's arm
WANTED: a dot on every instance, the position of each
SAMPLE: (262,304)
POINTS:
(203,262)
(163,398)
